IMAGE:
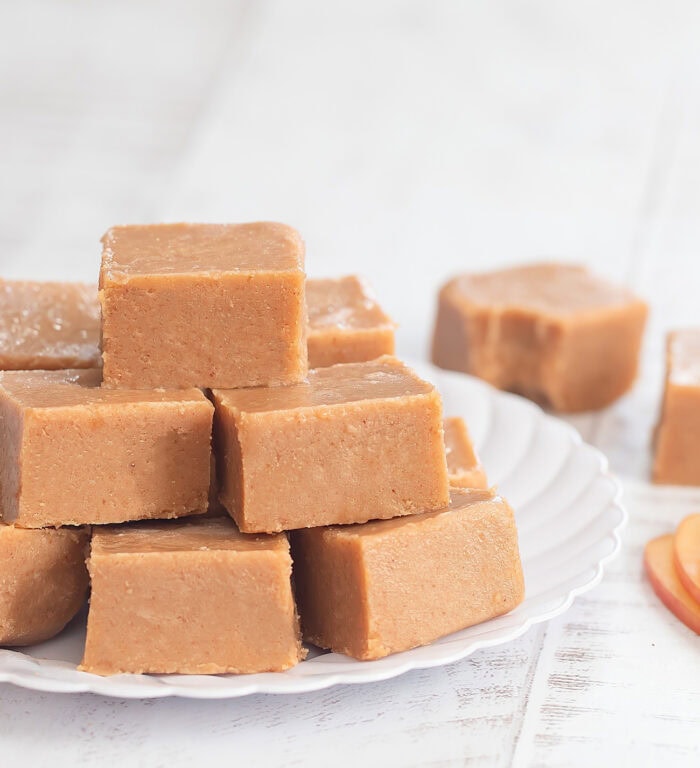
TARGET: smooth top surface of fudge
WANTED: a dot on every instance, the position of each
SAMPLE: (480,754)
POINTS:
(384,378)
(550,289)
(48,325)
(170,249)
(684,357)
(344,303)
(192,535)
(61,389)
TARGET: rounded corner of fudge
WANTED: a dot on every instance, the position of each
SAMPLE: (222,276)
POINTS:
(33,610)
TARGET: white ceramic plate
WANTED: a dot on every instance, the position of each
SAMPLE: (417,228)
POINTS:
(569,519)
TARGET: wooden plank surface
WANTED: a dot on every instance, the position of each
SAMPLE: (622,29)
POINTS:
(407,140)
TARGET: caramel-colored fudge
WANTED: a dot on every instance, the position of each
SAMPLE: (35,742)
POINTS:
(75,453)
(203,305)
(464,469)
(390,585)
(677,460)
(346,324)
(356,442)
(43,582)
(194,597)
(555,333)
(48,326)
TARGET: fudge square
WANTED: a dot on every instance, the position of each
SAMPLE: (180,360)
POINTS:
(48,326)
(75,453)
(389,585)
(556,333)
(677,459)
(203,305)
(43,581)
(464,470)
(357,441)
(193,597)
(346,325)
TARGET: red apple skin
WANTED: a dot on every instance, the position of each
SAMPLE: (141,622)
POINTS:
(686,554)
(659,566)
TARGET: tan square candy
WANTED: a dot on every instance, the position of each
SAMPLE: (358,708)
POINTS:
(75,453)
(390,585)
(194,597)
(48,326)
(677,459)
(43,581)
(463,466)
(355,442)
(553,332)
(203,305)
(346,324)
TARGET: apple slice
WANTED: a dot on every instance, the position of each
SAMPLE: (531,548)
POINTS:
(658,562)
(686,554)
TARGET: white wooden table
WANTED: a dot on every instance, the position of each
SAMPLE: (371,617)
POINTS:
(407,141)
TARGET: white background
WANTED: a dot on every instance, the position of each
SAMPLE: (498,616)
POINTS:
(407,141)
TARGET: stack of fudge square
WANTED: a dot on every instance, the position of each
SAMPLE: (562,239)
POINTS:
(230,459)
